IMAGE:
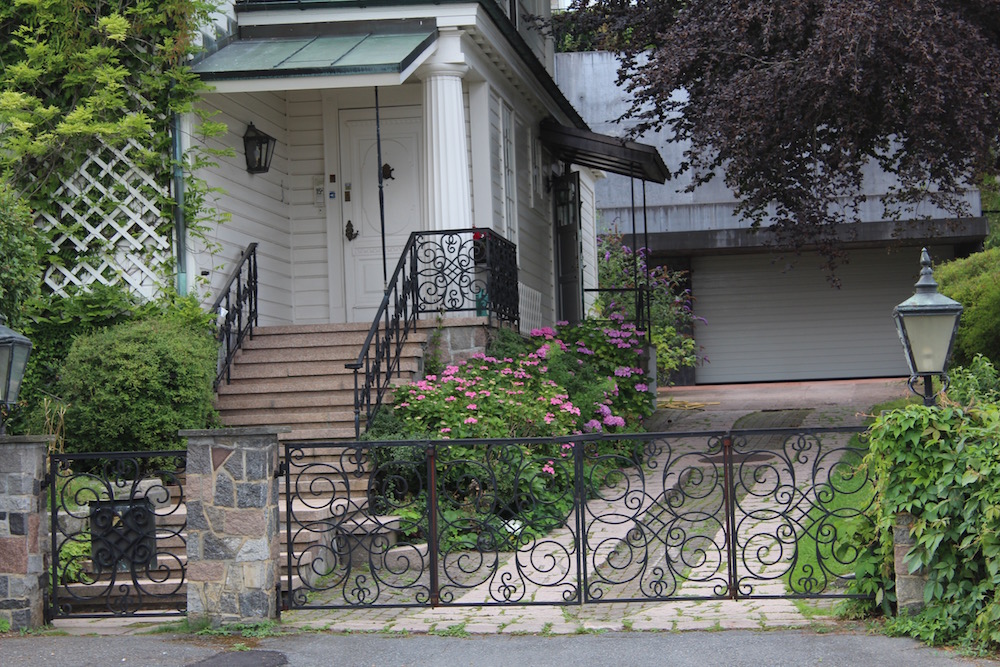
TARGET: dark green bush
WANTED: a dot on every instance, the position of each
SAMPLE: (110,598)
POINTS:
(975,282)
(132,386)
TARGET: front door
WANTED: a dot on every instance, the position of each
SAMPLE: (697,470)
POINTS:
(400,130)
(567,213)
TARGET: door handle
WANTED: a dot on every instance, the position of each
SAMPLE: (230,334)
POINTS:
(349,231)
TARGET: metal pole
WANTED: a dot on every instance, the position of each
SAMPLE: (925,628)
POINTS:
(930,398)
(381,196)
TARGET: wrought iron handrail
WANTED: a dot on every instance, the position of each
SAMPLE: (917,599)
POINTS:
(447,271)
(238,310)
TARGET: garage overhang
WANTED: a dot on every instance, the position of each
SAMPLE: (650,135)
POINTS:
(850,235)
(319,55)
(600,151)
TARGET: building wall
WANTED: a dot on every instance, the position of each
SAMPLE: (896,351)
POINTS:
(257,203)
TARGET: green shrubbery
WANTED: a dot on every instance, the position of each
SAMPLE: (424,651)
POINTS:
(134,385)
(975,283)
(942,465)
(128,374)
(20,252)
(671,317)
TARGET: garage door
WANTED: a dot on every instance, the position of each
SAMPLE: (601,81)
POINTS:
(765,324)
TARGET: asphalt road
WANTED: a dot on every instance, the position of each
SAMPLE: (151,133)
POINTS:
(691,649)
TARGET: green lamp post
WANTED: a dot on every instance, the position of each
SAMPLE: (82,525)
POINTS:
(14,351)
(927,323)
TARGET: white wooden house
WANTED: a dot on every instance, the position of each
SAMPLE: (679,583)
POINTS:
(452,93)
(390,118)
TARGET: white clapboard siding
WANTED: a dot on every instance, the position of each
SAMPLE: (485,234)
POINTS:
(257,203)
(764,324)
(310,257)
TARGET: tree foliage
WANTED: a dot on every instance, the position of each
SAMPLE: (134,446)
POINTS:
(78,76)
(793,98)
(21,251)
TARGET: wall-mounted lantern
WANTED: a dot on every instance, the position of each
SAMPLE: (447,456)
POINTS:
(927,323)
(14,351)
(259,148)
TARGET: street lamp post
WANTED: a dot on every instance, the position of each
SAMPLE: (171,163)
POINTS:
(926,323)
(14,351)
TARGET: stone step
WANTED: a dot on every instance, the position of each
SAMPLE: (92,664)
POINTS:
(267,340)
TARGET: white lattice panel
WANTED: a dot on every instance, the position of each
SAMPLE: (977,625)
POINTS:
(531,308)
(105,220)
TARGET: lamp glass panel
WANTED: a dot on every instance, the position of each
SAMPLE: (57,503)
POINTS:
(930,340)
(5,353)
(17,369)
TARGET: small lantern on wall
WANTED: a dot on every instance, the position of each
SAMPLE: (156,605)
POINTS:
(927,323)
(259,148)
(14,351)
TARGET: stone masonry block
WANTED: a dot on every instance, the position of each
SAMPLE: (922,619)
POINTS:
(258,466)
(199,461)
(234,466)
(225,493)
(252,494)
(253,550)
(246,522)
(13,555)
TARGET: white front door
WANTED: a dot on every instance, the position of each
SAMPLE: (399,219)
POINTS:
(401,132)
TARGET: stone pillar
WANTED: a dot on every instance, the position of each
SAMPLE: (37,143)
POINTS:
(232,525)
(22,530)
(446,162)
(909,586)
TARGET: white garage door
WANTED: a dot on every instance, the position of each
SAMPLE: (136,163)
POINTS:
(764,324)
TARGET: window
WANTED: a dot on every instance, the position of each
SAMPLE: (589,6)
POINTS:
(508,175)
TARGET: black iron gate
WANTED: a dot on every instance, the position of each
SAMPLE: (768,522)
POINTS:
(595,518)
(117,529)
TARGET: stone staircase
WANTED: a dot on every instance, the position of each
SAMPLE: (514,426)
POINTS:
(294,376)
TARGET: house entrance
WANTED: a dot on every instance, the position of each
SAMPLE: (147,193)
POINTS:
(400,129)
(592,519)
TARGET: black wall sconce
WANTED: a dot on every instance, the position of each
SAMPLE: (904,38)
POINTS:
(259,148)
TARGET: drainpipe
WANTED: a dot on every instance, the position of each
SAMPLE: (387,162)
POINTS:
(180,228)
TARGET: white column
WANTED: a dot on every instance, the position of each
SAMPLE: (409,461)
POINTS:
(449,205)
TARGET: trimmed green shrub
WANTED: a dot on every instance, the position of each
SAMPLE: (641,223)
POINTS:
(975,282)
(20,250)
(132,386)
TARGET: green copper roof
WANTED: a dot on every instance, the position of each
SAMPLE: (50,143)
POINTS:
(366,51)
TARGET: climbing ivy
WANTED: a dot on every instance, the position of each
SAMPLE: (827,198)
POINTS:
(81,76)
(942,465)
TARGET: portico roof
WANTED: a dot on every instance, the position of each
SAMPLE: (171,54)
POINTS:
(318,55)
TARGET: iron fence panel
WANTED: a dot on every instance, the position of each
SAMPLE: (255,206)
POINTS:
(117,534)
(588,518)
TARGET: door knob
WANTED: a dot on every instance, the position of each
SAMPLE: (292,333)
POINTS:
(349,231)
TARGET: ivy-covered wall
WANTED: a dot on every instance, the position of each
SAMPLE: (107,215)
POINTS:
(88,91)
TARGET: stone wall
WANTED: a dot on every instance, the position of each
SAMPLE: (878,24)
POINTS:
(232,525)
(22,531)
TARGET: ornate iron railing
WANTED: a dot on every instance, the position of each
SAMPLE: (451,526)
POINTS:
(117,528)
(589,518)
(454,271)
(236,307)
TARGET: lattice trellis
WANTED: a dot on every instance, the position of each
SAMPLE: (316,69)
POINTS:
(107,225)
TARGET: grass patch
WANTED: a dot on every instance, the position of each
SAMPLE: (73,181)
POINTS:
(457,630)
